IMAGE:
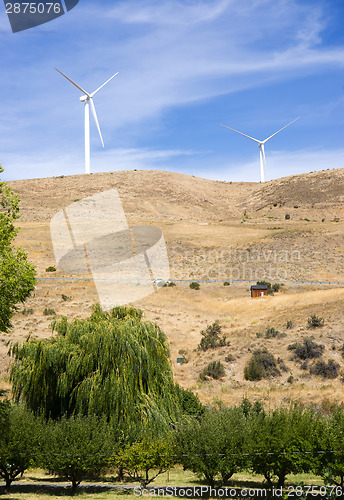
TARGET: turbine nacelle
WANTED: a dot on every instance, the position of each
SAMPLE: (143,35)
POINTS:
(88,100)
(261,146)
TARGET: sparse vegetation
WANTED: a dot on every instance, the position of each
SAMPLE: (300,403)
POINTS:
(226,283)
(262,364)
(194,285)
(272,333)
(49,312)
(215,370)
(308,349)
(229,358)
(315,321)
(212,337)
(325,370)
(50,269)
(287,216)
(65,297)
(26,312)
(289,325)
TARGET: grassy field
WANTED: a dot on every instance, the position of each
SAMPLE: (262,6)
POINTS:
(175,477)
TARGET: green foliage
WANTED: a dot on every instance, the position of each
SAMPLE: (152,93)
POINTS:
(194,285)
(287,216)
(261,365)
(50,269)
(330,436)
(190,403)
(215,370)
(65,297)
(272,333)
(226,283)
(307,349)
(212,337)
(111,363)
(249,409)
(315,321)
(212,447)
(325,370)
(150,455)
(49,312)
(17,275)
(77,447)
(277,441)
(289,325)
(19,441)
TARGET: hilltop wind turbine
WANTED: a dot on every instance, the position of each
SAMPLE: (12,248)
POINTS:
(88,100)
(261,146)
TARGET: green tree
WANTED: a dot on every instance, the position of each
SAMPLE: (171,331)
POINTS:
(330,438)
(19,442)
(111,363)
(17,275)
(212,448)
(77,447)
(151,454)
(277,442)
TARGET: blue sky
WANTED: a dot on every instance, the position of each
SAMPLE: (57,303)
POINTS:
(184,67)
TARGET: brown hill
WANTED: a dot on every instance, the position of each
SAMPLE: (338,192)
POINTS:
(246,237)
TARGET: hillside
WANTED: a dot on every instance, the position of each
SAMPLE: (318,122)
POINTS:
(213,230)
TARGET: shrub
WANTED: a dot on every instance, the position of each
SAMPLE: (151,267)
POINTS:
(315,321)
(268,284)
(212,337)
(65,297)
(272,333)
(215,370)
(276,287)
(49,312)
(261,365)
(289,325)
(325,370)
(272,288)
(229,358)
(287,216)
(226,283)
(26,312)
(308,349)
(194,285)
(50,269)
(171,283)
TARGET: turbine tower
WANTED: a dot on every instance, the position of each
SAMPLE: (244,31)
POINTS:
(261,146)
(88,100)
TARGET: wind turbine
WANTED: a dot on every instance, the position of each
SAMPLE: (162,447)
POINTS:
(261,146)
(88,100)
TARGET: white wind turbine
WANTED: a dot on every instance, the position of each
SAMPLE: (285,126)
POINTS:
(261,146)
(88,100)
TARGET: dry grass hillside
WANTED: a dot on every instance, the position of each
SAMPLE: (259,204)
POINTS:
(216,231)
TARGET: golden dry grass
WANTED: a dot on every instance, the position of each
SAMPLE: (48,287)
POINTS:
(262,244)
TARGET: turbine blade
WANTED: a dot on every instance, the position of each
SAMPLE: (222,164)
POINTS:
(280,130)
(96,119)
(107,81)
(237,131)
(75,84)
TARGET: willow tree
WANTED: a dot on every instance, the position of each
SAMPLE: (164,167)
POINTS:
(112,363)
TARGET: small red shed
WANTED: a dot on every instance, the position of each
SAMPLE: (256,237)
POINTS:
(258,291)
